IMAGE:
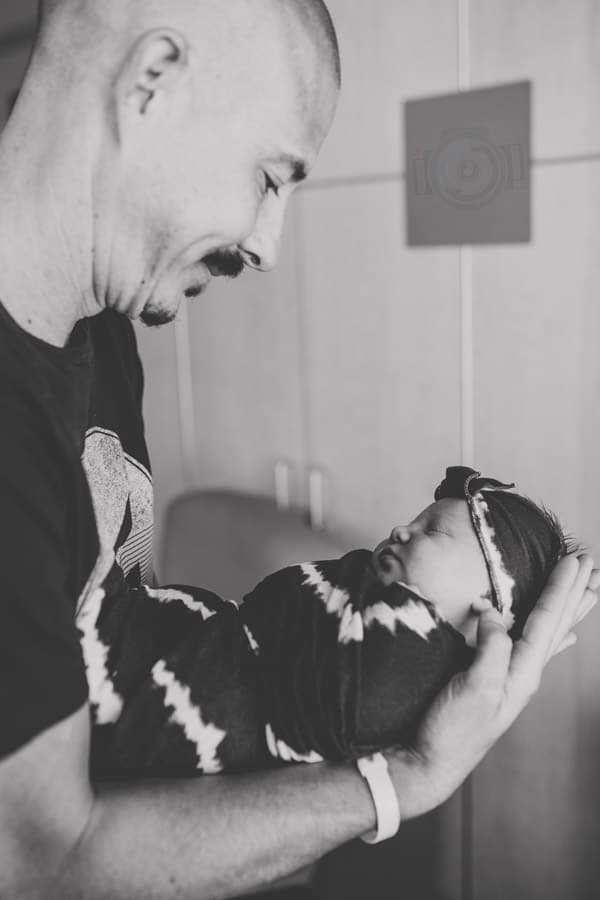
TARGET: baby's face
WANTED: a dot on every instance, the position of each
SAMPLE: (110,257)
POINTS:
(439,555)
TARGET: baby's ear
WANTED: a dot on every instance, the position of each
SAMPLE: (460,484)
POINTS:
(481,604)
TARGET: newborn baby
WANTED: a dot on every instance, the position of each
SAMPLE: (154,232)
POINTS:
(329,660)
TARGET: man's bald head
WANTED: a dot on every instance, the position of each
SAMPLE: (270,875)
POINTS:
(317,20)
(119,21)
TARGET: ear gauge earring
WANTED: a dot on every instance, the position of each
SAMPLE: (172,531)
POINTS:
(148,95)
(146,86)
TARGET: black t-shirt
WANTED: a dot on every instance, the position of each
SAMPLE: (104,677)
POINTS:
(57,406)
(115,456)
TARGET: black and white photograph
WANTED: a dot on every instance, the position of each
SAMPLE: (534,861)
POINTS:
(299,441)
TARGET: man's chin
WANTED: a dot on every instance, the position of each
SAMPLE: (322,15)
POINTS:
(153,318)
(154,315)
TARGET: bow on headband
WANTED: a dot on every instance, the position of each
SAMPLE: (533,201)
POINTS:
(520,542)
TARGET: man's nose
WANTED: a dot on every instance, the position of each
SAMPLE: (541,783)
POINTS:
(260,250)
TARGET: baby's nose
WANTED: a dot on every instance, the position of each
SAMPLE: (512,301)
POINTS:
(400,534)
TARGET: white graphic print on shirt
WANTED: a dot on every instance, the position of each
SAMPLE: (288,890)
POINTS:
(121,489)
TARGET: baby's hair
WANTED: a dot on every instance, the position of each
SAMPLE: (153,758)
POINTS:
(563,544)
(569,545)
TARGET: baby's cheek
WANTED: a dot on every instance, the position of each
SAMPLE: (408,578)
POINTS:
(441,584)
(456,595)
(433,590)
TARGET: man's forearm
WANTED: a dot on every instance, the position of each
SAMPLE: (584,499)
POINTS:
(213,836)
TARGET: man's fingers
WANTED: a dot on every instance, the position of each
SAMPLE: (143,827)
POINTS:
(489,669)
(554,613)
(563,575)
(587,604)
(577,604)
(544,620)
(563,600)
(567,642)
(547,625)
(594,582)
(590,599)
(584,574)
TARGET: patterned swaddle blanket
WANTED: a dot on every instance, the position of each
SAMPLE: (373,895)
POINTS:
(320,661)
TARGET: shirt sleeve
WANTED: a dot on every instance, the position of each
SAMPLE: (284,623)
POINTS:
(42,673)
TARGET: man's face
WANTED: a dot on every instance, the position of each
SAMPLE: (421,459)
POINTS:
(439,554)
(207,176)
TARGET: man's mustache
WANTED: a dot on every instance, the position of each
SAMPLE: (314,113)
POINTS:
(224,262)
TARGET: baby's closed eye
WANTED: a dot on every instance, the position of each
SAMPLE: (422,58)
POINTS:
(435,529)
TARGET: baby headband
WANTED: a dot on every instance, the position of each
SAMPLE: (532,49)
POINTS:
(520,544)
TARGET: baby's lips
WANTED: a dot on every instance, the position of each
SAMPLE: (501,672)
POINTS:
(388,560)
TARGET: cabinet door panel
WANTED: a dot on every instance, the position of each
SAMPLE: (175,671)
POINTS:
(390,52)
(245,374)
(537,421)
(555,45)
(383,358)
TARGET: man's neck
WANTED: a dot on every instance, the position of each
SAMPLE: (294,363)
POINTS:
(42,272)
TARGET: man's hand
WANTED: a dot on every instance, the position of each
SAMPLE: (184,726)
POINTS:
(479,705)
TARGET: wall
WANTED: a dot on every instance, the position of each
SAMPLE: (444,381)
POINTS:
(359,356)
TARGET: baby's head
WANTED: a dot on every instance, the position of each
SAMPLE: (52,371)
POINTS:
(480,543)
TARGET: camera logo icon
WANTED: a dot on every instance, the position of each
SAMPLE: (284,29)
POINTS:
(467,170)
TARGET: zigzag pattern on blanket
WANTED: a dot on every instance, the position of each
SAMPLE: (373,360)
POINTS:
(180,660)
(319,661)
(339,689)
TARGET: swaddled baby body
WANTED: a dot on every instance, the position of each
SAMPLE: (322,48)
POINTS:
(327,660)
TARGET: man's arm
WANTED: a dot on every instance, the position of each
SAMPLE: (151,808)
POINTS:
(218,835)
(211,836)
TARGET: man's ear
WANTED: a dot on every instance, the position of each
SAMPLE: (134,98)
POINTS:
(151,71)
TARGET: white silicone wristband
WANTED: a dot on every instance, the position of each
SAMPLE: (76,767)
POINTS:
(374,769)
